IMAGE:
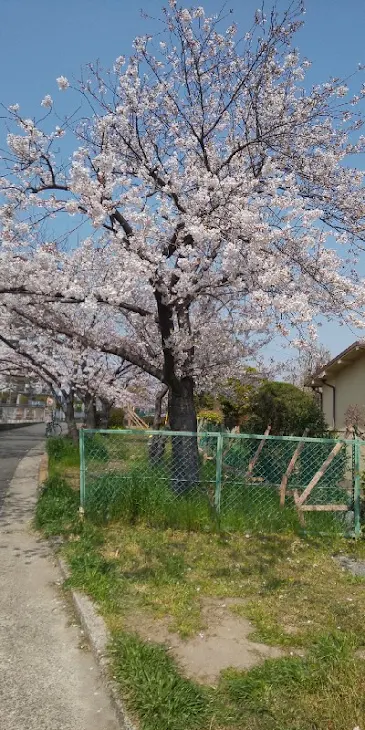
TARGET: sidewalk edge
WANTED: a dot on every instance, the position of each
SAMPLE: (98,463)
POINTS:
(92,623)
(98,637)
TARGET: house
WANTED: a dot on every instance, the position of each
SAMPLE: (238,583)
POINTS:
(341,385)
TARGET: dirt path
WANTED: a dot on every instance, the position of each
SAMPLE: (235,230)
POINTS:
(224,643)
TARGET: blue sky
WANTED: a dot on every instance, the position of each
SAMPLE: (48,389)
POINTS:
(40,40)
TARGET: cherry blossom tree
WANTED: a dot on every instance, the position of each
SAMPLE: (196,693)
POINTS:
(222,193)
(309,360)
(69,369)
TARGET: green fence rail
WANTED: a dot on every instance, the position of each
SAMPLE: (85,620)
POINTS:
(235,481)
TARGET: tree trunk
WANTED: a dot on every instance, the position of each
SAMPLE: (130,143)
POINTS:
(105,414)
(90,411)
(158,443)
(69,412)
(182,417)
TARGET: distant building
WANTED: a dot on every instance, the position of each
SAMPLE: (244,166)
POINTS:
(341,385)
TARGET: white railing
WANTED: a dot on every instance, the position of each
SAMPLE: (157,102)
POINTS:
(22,414)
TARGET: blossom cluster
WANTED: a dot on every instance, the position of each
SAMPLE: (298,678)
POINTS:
(223,201)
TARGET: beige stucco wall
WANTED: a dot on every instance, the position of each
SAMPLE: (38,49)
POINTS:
(350,390)
(327,404)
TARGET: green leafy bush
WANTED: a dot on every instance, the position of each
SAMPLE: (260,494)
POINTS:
(287,409)
(116,418)
(211,418)
(234,400)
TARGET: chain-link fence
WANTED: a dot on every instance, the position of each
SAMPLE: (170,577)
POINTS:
(234,481)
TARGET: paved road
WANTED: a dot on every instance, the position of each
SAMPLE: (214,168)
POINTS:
(14,444)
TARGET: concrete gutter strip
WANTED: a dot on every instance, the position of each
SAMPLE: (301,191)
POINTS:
(99,638)
(43,470)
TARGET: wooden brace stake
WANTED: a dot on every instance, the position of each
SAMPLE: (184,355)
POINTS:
(324,508)
(253,461)
(291,465)
(300,512)
(319,474)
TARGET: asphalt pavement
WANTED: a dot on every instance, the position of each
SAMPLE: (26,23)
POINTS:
(14,444)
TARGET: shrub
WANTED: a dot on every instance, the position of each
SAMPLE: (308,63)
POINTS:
(212,420)
(287,409)
(116,418)
(234,400)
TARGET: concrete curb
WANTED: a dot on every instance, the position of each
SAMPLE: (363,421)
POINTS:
(43,470)
(93,625)
(99,639)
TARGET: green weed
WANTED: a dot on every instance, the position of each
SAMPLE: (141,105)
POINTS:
(293,591)
(135,497)
(56,512)
(157,693)
(143,494)
(95,448)
(62,452)
(323,690)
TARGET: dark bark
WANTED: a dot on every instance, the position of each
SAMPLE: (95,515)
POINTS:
(158,443)
(68,409)
(90,411)
(182,417)
(181,408)
(104,415)
(158,407)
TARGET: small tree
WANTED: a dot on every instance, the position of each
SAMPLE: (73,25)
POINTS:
(355,419)
(287,409)
(301,368)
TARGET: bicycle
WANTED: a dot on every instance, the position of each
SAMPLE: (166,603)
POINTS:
(53,428)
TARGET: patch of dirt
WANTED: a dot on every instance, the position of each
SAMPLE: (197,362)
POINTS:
(356,567)
(223,644)
(72,474)
(291,630)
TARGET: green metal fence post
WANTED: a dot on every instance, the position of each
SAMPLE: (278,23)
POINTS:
(82,470)
(218,474)
(357,489)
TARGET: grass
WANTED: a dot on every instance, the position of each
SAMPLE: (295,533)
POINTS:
(300,694)
(56,512)
(144,495)
(158,695)
(122,484)
(165,564)
(62,453)
(295,595)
